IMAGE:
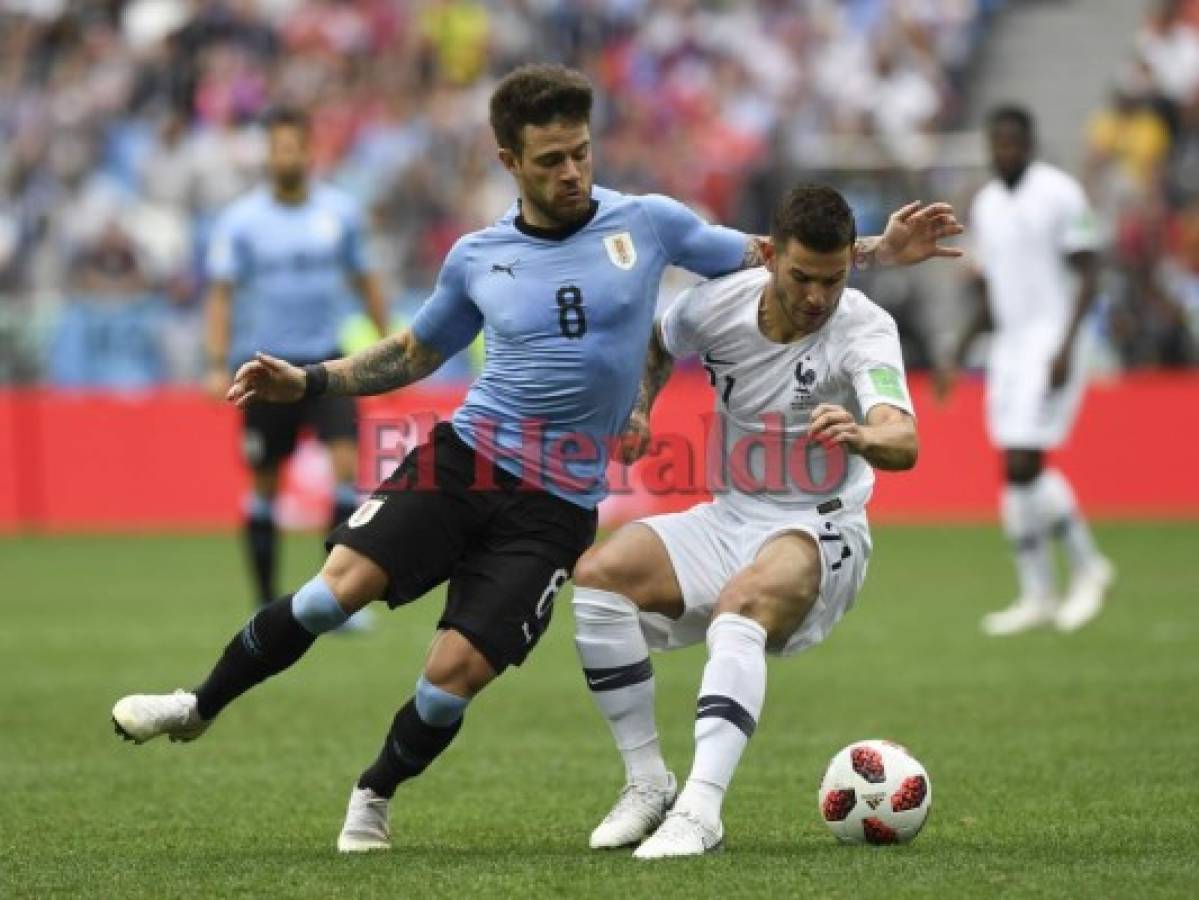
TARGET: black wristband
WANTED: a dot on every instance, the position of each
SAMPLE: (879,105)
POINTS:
(316,380)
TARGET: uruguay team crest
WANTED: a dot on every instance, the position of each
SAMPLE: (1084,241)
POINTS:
(621,250)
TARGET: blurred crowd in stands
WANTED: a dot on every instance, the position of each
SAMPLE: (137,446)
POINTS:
(127,125)
(1142,173)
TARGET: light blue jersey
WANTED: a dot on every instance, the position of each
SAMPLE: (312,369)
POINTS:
(567,318)
(288,264)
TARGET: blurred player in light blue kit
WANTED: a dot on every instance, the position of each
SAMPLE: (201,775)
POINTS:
(280,263)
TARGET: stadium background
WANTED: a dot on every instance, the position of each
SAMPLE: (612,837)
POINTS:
(126,126)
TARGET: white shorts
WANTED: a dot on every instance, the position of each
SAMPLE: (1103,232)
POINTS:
(1021,409)
(709,544)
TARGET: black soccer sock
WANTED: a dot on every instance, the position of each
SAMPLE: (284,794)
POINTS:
(262,538)
(271,641)
(409,748)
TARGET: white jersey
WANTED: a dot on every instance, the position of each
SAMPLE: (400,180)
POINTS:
(764,388)
(1021,239)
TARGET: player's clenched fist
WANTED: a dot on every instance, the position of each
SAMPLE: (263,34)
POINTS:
(266,380)
(837,425)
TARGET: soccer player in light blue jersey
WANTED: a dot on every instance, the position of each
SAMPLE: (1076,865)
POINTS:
(280,265)
(500,503)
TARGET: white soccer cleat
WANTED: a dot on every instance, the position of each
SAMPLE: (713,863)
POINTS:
(681,834)
(639,809)
(366,827)
(1085,598)
(143,717)
(1025,614)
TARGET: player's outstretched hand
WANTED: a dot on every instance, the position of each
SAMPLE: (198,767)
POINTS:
(915,232)
(635,439)
(266,379)
(835,424)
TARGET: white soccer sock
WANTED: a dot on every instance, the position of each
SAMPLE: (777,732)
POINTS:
(1027,530)
(1064,520)
(616,665)
(730,702)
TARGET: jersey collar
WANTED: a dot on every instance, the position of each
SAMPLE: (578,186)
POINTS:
(555,234)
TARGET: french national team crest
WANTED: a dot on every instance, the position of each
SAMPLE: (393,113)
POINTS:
(621,250)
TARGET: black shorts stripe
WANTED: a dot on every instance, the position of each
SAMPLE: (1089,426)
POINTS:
(726,708)
(620,676)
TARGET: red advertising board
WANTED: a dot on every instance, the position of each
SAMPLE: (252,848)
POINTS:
(170,459)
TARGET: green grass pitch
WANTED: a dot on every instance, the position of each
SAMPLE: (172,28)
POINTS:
(1062,766)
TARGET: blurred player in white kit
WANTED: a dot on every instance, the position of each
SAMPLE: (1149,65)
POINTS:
(1036,249)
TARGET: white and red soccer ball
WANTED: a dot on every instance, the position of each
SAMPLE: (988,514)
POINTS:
(875,792)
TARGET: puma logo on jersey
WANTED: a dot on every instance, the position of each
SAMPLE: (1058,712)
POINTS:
(510,268)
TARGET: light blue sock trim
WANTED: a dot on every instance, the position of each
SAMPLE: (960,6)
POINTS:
(437,707)
(259,506)
(345,494)
(315,607)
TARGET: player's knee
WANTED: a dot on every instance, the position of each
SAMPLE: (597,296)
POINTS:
(780,614)
(457,667)
(603,571)
(354,579)
(742,597)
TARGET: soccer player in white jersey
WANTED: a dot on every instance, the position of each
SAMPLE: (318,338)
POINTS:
(812,373)
(1036,245)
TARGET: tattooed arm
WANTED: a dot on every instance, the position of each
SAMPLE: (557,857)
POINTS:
(658,366)
(389,364)
(759,248)
(913,234)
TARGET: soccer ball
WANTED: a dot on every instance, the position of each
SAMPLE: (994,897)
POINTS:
(875,792)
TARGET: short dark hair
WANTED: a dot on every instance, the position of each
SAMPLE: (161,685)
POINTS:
(1012,114)
(536,95)
(816,216)
(286,117)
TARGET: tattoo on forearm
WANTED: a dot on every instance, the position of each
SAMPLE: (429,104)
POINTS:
(387,365)
(658,366)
